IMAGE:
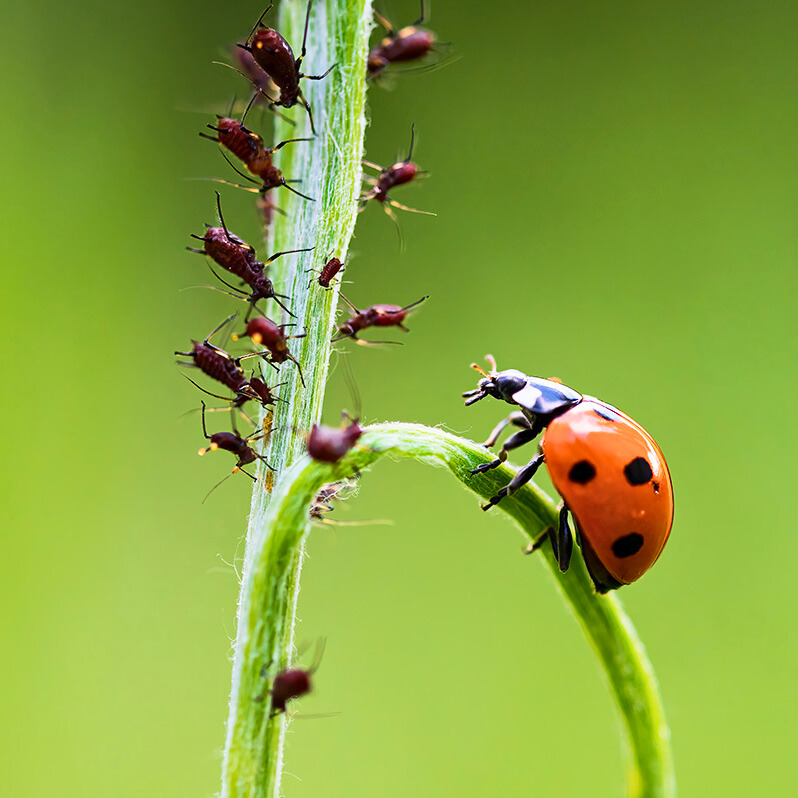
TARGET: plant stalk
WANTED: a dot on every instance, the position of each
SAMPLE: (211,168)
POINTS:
(329,168)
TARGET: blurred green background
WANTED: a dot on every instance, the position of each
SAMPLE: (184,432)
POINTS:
(616,190)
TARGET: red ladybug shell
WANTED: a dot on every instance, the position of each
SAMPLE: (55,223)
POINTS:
(615,481)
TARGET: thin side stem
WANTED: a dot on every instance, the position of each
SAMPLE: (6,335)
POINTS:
(609,630)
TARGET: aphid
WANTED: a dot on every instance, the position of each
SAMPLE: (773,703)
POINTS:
(390,177)
(290,683)
(375,316)
(275,57)
(408,44)
(233,442)
(265,332)
(322,502)
(250,148)
(218,365)
(328,272)
(612,476)
(234,255)
(329,445)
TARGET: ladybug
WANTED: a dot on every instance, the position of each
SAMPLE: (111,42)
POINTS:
(612,476)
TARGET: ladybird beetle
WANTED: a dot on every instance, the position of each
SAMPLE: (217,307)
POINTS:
(612,476)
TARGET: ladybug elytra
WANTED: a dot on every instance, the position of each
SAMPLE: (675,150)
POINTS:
(612,476)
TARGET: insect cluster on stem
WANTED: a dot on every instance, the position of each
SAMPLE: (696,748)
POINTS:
(275,77)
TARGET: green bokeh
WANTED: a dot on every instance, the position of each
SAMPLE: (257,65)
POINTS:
(616,195)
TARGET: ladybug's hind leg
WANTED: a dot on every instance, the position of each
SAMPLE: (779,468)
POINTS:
(521,478)
(562,541)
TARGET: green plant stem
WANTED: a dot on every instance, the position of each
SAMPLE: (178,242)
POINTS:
(329,170)
(607,627)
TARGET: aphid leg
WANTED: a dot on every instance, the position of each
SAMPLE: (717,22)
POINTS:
(521,478)
(287,252)
(372,165)
(310,114)
(319,77)
(513,442)
(421,18)
(298,193)
(283,143)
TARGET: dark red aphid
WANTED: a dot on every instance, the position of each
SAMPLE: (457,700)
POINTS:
(274,56)
(234,443)
(328,272)
(287,685)
(234,255)
(250,148)
(408,44)
(390,177)
(265,332)
(329,445)
(374,316)
(220,366)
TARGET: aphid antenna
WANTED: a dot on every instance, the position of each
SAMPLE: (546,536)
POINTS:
(348,303)
(237,170)
(210,393)
(224,282)
(223,479)
(248,108)
(305,35)
(256,26)
(412,142)
(219,327)
(354,393)
(420,19)
(224,182)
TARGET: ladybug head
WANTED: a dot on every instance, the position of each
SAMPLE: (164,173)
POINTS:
(498,384)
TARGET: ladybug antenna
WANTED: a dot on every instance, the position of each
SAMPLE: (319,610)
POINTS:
(482,371)
(492,363)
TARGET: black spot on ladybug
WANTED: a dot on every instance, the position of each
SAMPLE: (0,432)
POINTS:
(656,487)
(638,471)
(627,545)
(582,472)
(606,414)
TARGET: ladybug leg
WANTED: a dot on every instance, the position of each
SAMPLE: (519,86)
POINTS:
(518,419)
(564,540)
(521,478)
(513,442)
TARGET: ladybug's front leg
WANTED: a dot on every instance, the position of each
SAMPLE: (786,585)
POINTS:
(521,478)
(527,434)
